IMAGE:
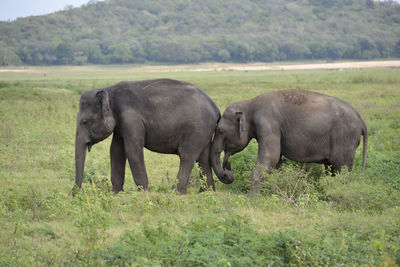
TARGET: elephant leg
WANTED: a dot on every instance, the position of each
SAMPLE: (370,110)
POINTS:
(338,165)
(269,154)
(279,164)
(326,169)
(118,161)
(134,153)
(329,170)
(204,163)
(189,152)
(185,169)
(138,169)
(349,159)
(343,157)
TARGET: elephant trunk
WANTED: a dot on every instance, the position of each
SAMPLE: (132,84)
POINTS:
(227,164)
(224,175)
(80,156)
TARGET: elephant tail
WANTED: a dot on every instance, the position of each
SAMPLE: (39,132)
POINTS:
(365,143)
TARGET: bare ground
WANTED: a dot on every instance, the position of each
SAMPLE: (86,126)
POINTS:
(249,66)
(277,66)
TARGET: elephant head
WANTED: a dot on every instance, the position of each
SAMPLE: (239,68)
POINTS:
(232,135)
(95,122)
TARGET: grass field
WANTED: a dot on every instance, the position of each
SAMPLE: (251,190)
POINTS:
(301,217)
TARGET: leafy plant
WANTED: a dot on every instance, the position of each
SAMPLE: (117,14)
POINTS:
(291,184)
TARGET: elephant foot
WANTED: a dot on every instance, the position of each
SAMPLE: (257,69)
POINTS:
(252,192)
(75,189)
(182,191)
(255,189)
(206,188)
(116,191)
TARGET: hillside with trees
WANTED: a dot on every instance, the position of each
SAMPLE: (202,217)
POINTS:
(189,31)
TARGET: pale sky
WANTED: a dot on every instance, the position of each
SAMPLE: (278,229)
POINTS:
(12,9)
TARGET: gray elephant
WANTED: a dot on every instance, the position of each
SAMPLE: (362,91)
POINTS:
(301,125)
(165,116)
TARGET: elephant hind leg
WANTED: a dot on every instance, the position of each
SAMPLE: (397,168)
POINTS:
(344,158)
(204,163)
(189,152)
(185,168)
(329,169)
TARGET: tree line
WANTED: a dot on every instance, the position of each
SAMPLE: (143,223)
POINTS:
(190,31)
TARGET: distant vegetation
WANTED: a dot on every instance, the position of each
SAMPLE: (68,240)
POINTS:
(183,31)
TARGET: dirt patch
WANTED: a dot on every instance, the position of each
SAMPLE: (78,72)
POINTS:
(277,66)
(20,70)
(247,67)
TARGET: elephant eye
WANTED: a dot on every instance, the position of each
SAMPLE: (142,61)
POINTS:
(84,122)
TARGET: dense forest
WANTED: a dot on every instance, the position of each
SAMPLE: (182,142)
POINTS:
(189,31)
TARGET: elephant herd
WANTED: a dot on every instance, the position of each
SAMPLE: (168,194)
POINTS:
(175,117)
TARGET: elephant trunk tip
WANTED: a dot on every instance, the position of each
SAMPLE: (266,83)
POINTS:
(227,177)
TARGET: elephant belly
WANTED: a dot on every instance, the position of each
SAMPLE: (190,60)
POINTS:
(171,138)
(167,144)
(306,150)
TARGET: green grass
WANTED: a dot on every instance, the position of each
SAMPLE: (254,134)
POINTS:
(300,217)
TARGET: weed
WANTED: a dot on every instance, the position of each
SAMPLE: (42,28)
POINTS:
(93,219)
(352,192)
(291,184)
(4,84)
(230,240)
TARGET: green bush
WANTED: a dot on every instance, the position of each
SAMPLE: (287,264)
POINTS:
(3,84)
(225,241)
(291,184)
(230,240)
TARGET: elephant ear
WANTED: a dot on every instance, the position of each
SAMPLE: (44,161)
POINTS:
(241,123)
(106,111)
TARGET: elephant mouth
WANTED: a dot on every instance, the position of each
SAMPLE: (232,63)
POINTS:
(93,142)
(89,146)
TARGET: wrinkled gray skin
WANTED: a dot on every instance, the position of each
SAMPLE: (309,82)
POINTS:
(164,116)
(301,125)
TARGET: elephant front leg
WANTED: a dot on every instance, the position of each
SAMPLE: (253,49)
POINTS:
(138,169)
(134,153)
(268,158)
(118,162)
(133,132)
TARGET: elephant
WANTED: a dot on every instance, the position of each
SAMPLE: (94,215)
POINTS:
(303,126)
(162,115)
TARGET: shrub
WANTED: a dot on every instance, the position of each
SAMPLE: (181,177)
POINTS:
(230,240)
(3,84)
(226,241)
(291,184)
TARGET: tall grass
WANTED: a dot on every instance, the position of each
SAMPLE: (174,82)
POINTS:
(300,217)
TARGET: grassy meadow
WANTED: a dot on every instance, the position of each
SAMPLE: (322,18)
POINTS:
(300,217)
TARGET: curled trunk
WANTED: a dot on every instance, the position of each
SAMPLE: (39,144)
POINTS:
(224,175)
